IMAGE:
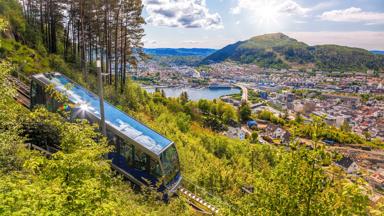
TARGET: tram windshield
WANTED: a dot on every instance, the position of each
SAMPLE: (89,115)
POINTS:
(170,162)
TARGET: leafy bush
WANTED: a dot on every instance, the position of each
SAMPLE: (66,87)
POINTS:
(269,116)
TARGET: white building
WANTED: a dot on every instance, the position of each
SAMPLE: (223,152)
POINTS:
(348,165)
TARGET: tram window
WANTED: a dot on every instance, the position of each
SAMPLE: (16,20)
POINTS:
(33,94)
(112,138)
(57,105)
(126,150)
(49,103)
(141,160)
(155,169)
(33,89)
(170,161)
(38,95)
(53,105)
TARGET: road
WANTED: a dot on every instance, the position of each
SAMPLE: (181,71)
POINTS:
(244,90)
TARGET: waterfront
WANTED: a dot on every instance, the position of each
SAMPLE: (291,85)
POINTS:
(196,94)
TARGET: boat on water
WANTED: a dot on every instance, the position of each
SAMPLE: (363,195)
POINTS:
(220,86)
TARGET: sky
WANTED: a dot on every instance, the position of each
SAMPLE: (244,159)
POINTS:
(217,23)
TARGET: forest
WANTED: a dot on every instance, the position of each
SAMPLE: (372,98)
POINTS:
(82,31)
(67,36)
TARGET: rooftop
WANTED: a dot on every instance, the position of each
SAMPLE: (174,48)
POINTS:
(345,162)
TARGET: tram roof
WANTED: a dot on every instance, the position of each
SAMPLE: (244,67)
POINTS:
(115,118)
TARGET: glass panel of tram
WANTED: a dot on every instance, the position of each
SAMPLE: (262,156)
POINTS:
(142,166)
(40,97)
(134,161)
(37,95)
(170,162)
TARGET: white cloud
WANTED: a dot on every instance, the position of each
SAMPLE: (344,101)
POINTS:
(323,5)
(148,42)
(287,7)
(181,13)
(192,42)
(353,14)
(300,21)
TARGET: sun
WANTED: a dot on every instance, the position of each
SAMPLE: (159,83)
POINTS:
(267,13)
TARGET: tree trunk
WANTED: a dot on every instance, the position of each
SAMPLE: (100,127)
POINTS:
(116,57)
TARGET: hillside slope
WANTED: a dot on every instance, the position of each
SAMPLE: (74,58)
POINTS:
(280,51)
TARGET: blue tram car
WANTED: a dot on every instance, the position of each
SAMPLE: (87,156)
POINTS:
(141,154)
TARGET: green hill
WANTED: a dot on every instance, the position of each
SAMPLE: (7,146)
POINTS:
(280,51)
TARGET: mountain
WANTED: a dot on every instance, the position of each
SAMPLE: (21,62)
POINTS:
(178,56)
(280,51)
(377,52)
(203,52)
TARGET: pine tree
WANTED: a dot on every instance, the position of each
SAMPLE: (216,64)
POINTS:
(111,30)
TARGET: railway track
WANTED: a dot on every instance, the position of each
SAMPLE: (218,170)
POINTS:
(23,91)
(197,203)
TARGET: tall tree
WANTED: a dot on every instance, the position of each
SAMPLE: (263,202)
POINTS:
(85,29)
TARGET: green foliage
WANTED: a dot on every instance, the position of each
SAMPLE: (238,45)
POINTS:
(245,112)
(269,116)
(57,64)
(214,123)
(299,119)
(204,106)
(27,60)
(41,128)
(184,98)
(11,147)
(254,137)
(11,12)
(216,111)
(183,122)
(333,57)
(177,60)
(253,96)
(18,28)
(378,142)
(299,185)
(328,132)
(345,127)
(75,181)
(3,25)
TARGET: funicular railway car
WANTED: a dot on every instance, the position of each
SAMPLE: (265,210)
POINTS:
(144,156)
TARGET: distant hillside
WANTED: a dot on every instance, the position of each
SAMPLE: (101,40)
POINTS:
(280,51)
(180,52)
(377,52)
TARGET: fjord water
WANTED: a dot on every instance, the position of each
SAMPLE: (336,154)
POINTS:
(196,94)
